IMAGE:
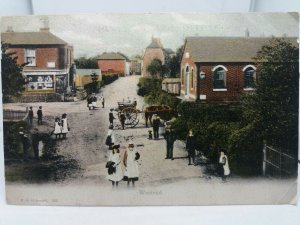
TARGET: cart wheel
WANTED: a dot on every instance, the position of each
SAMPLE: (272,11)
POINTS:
(131,115)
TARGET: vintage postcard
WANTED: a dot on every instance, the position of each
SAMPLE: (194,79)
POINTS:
(150,109)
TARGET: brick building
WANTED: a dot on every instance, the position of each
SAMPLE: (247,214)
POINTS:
(49,60)
(154,50)
(220,69)
(113,62)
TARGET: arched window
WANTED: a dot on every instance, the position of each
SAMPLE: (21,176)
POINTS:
(219,77)
(249,76)
(192,79)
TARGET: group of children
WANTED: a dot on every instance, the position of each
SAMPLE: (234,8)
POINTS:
(122,164)
(61,127)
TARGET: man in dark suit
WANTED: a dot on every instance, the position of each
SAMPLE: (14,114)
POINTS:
(40,116)
(155,124)
(170,139)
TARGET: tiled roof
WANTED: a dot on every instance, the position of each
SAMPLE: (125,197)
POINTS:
(112,55)
(31,38)
(227,49)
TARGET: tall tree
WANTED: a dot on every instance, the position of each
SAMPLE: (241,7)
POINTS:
(157,69)
(173,63)
(86,63)
(273,109)
(12,79)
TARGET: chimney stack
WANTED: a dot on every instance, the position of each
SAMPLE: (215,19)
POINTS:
(45,28)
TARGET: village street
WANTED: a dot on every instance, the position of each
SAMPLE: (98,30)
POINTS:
(161,181)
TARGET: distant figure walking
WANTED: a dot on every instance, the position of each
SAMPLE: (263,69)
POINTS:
(90,102)
(170,139)
(57,128)
(113,165)
(103,102)
(94,102)
(64,125)
(131,158)
(191,146)
(111,117)
(223,161)
(123,119)
(30,115)
(40,116)
(110,138)
(156,124)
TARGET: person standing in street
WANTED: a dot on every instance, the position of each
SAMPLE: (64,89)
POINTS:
(57,128)
(123,119)
(94,101)
(170,139)
(35,143)
(103,101)
(155,124)
(191,146)
(30,115)
(131,158)
(40,116)
(223,161)
(64,125)
(114,169)
(110,138)
(111,117)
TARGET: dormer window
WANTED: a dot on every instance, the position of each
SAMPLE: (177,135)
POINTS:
(30,57)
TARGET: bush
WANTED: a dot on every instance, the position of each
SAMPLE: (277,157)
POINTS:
(108,79)
(246,146)
(12,141)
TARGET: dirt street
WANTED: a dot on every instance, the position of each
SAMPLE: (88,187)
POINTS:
(161,181)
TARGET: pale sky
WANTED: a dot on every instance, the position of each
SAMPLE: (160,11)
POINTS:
(92,34)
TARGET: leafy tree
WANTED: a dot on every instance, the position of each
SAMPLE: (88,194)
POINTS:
(12,79)
(157,69)
(173,63)
(273,109)
(86,63)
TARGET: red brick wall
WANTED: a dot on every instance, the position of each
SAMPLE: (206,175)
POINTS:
(234,82)
(43,56)
(149,55)
(113,65)
(190,62)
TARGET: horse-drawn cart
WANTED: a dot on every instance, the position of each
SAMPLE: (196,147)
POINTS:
(132,114)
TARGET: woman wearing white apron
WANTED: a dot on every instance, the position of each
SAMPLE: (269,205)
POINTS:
(131,162)
(114,157)
(64,124)
(57,128)
(224,162)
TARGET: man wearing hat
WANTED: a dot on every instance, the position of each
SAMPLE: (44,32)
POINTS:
(155,124)
(170,139)
(122,119)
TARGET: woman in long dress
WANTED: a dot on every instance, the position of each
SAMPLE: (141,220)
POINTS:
(223,161)
(57,128)
(64,124)
(115,158)
(131,162)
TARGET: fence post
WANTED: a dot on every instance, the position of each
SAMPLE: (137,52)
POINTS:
(264,158)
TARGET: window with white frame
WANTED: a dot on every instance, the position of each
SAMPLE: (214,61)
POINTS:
(249,77)
(219,78)
(30,57)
